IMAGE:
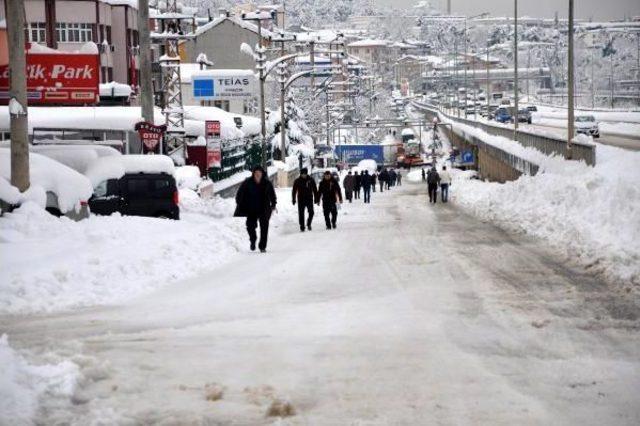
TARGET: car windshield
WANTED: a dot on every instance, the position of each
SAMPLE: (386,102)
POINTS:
(585,118)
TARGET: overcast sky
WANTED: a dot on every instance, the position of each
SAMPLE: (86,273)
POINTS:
(585,9)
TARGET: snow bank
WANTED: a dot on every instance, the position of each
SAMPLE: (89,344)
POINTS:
(70,186)
(115,167)
(188,177)
(23,384)
(113,89)
(587,213)
(53,264)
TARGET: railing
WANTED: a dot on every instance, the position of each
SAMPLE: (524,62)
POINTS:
(238,155)
(545,144)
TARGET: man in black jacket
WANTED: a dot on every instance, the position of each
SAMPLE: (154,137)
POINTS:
(366,186)
(357,185)
(304,192)
(433,179)
(255,200)
(330,193)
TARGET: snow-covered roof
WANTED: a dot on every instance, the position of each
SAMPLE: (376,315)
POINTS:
(89,48)
(115,89)
(369,43)
(77,157)
(130,3)
(247,25)
(70,187)
(114,167)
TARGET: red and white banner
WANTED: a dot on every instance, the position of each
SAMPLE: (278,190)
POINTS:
(214,147)
(150,136)
(57,78)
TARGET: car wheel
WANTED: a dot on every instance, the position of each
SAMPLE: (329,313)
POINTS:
(54,211)
(597,135)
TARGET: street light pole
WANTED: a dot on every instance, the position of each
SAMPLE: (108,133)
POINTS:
(570,117)
(515,69)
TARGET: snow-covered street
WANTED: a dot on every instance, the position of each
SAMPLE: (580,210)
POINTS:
(406,314)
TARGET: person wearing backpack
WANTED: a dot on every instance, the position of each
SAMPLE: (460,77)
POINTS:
(445,183)
(433,179)
(330,193)
(304,192)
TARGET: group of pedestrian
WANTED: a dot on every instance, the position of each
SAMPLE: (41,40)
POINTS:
(256,198)
(389,178)
(435,179)
(305,193)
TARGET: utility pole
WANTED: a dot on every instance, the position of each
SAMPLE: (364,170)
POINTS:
(449,7)
(593,88)
(146,86)
(455,73)
(488,81)
(18,95)
(515,68)
(466,64)
(570,117)
(263,124)
(312,60)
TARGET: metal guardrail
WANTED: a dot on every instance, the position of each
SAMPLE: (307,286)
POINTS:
(545,144)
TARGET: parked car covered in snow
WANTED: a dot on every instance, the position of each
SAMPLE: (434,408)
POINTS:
(59,189)
(587,125)
(136,185)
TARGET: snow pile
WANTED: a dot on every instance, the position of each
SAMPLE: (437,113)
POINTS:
(70,186)
(369,165)
(587,213)
(188,177)
(53,264)
(115,167)
(115,89)
(78,157)
(22,384)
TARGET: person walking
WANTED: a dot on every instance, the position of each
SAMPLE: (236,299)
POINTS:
(432,183)
(399,178)
(349,182)
(256,200)
(366,186)
(304,192)
(391,179)
(424,175)
(357,185)
(330,193)
(445,183)
(382,179)
(374,177)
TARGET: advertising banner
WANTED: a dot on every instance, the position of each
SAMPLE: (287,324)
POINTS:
(57,79)
(214,146)
(223,84)
(150,136)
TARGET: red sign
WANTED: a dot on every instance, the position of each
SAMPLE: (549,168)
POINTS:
(150,136)
(212,128)
(57,78)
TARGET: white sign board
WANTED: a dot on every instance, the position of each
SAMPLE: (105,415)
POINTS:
(223,84)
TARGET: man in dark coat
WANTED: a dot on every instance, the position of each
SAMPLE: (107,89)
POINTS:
(255,200)
(424,175)
(304,192)
(374,178)
(433,179)
(382,179)
(366,186)
(392,179)
(330,193)
(357,185)
(349,183)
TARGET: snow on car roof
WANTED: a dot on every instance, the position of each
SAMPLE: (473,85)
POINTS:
(115,167)
(78,157)
(69,186)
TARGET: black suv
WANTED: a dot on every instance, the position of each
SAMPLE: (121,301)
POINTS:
(137,194)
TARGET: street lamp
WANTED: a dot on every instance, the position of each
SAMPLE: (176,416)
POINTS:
(258,18)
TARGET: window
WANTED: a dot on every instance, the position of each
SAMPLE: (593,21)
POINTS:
(222,105)
(73,32)
(137,187)
(36,32)
(100,190)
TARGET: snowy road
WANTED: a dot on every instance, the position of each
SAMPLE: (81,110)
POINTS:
(621,141)
(407,314)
